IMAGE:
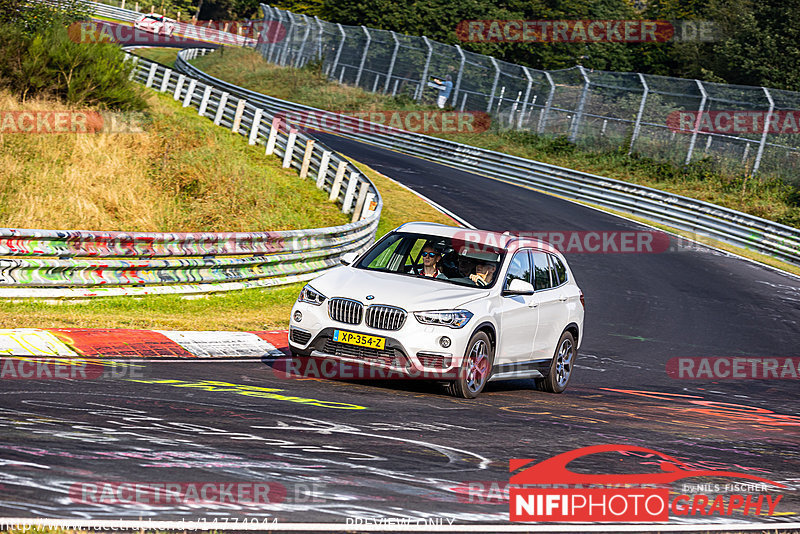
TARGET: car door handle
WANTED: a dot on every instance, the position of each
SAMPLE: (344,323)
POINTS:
(562,299)
(533,304)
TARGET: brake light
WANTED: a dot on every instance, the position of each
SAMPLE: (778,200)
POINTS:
(583,302)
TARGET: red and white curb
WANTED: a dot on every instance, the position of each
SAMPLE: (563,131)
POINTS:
(122,343)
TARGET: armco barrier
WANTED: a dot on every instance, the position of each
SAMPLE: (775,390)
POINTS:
(68,263)
(687,214)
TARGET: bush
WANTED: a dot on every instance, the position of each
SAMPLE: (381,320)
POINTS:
(50,64)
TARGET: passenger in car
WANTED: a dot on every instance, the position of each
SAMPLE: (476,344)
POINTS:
(484,274)
(465,266)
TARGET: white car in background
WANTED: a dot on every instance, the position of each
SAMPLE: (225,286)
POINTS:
(155,23)
(378,310)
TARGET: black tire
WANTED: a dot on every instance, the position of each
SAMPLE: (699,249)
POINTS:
(561,367)
(476,368)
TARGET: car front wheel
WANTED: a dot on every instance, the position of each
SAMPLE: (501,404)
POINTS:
(561,366)
(475,369)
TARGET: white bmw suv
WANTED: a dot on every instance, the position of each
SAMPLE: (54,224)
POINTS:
(451,304)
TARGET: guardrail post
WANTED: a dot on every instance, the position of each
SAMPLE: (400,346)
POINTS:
(764,133)
(576,123)
(338,52)
(273,135)
(204,102)
(165,80)
(299,59)
(255,128)
(350,192)
(337,181)
(134,68)
(638,124)
(364,55)
(527,96)
(289,36)
(187,100)
(151,75)
(423,81)
(323,168)
(289,152)
(223,102)
(307,158)
(178,86)
(391,63)
(547,105)
(494,84)
(237,117)
(368,205)
(363,189)
(697,121)
(457,88)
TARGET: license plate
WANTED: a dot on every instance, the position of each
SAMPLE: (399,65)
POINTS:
(351,338)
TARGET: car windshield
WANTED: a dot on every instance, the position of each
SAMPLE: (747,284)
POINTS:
(445,259)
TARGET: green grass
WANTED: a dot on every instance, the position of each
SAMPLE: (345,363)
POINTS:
(165,56)
(769,198)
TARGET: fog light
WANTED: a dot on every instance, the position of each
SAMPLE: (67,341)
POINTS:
(298,316)
(444,341)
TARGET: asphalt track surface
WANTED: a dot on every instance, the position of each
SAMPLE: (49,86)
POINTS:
(408,448)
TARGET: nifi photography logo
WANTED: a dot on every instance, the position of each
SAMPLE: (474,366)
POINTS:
(629,498)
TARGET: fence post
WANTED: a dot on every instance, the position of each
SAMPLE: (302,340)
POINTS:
(289,36)
(457,88)
(338,52)
(134,68)
(255,127)
(319,40)
(151,74)
(697,121)
(638,124)
(189,93)
(323,168)
(223,101)
(350,192)
(363,189)
(337,182)
(364,55)
(527,95)
(178,87)
(548,104)
(307,158)
(576,124)
(287,155)
(270,32)
(763,141)
(273,135)
(423,81)
(391,63)
(165,80)
(204,102)
(303,44)
(494,84)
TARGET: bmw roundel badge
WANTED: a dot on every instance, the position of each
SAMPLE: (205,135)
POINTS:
(370,297)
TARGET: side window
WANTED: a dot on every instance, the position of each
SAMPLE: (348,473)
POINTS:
(541,270)
(560,270)
(519,268)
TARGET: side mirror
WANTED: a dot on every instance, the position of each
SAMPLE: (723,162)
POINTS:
(518,287)
(349,258)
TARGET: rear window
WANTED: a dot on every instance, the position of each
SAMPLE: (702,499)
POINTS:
(541,271)
(560,270)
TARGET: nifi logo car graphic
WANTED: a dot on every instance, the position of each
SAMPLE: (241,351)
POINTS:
(624,498)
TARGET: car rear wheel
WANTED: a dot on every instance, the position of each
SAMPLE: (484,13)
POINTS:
(476,368)
(561,366)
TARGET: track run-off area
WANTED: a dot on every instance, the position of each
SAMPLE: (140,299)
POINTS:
(354,454)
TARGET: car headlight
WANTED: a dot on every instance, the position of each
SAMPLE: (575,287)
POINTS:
(448,318)
(311,296)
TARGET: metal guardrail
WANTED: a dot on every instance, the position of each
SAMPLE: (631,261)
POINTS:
(68,263)
(683,213)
